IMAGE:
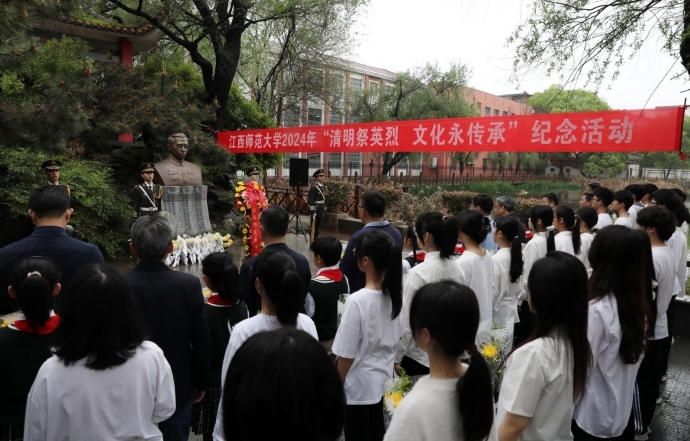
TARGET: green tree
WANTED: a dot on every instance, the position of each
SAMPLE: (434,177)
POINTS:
(556,99)
(426,93)
(596,37)
(611,164)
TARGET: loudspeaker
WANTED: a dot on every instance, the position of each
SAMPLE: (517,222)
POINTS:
(299,172)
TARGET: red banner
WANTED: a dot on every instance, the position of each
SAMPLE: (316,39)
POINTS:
(610,131)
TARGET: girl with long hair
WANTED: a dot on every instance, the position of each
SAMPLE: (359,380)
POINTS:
(567,224)
(224,310)
(477,265)
(508,270)
(546,375)
(280,286)
(27,342)
(616,327)
(369,333)
(455,396)
(437,234)
(105,381)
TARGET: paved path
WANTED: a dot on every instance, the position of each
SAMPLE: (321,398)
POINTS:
(672,420)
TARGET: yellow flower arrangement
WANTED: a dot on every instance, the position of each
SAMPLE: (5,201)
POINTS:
(246,247)
(242,209)
(489,351)
(237,195)
(240,183)
(244,231)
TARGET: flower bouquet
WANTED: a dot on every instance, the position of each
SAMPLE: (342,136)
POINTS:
(395,391)
(495,348)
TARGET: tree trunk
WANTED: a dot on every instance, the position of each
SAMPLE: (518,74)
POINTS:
(685,42)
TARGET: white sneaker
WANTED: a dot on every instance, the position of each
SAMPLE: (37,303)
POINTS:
(659,400)
(663,378)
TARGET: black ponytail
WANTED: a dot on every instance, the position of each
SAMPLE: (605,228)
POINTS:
(283,285)
(33,280)
(380,247)
(572,222)
(509,226)
(410,234)
(474,225)
(443,231)
(550,240)
(223,274)
(450,312)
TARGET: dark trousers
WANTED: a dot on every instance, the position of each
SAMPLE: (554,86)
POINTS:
(523,329)
(178,426)
(413,368)
(316,225)
(671,318)
(364,422)
(649,380)
(580,435)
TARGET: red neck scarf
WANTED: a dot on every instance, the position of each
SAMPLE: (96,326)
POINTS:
(334,274)
(22,324)
(215,299)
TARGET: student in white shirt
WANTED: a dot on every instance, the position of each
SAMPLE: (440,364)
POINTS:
(588,219)
(659,224)
(568,226)
(105,380)
(431,228)
(616,330)
(601,200)
(544,377)
(454,402)
(638,192)
(541,222)
(622,202)
(477,265)
(281,385)
(508,269)
(280,286)
(369,333)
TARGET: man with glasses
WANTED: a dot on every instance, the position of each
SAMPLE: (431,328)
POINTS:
(505,206)
(601,199)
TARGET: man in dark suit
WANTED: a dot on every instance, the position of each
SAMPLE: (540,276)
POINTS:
(49,209)
(146,197)
(274,226)
(172,306)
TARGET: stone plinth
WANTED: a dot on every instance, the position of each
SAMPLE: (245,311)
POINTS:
(188,205)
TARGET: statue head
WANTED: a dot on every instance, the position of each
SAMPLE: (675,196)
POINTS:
(178,145)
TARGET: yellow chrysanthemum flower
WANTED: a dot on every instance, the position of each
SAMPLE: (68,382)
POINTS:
(240,183)
(244,231)
(242,208)
(246,247)
(490,351)
(237,195)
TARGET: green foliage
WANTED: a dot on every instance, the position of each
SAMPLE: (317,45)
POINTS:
(611,164)
(594,38)
(556,99)
(339,194)
(457,201)
(409,207)
(100,212)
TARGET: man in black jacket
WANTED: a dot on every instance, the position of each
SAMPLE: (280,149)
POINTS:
(172,306)
(274,226)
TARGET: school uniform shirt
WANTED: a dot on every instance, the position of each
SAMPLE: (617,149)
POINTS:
(124,402)
(586,240)
(564,242)
(240,334)
(625,222)
(479,273)
(632,213)
(604,221)
(538,384)
(430,412)
(665,272)
(433,269)
(506,293)
(679,245)
(604,408)
(534,250)
(369,336)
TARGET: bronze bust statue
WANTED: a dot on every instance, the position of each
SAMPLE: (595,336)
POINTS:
(174,170)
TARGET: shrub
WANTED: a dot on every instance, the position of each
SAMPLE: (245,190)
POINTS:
(524,204)
(100,211)
(409,207)
(338,195)
(456,201)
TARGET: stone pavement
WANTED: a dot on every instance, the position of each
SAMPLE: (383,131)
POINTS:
(672,418)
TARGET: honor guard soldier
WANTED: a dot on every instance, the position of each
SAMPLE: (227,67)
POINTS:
(147,196)
(317,203)
(51,168)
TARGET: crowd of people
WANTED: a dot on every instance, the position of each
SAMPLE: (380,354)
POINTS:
(586,298)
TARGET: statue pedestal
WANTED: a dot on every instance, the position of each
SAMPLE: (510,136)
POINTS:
(188,205)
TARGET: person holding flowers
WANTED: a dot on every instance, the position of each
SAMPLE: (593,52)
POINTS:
(454,402)
(26,343)
(250,199)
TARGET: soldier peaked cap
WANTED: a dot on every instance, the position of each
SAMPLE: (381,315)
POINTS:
(318,172)
(51,164)
(146,166)
(253,171)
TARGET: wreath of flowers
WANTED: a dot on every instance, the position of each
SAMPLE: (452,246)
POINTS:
(243,205)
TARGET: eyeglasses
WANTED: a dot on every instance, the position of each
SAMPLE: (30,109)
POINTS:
(652,203)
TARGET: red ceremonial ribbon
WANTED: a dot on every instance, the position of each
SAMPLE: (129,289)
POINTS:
(257,203)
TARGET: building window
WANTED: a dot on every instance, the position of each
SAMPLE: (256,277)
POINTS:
(485,164)
(479,107)
(314,160)
(286,161)
(487,111)
(335,96)
(314,117)
(291,118)
(417,163)
(335,160)
(505,113)
(356,84)
(353,118)
(496,112)
(355,161)
(374,87)
(334,118)
(403,163)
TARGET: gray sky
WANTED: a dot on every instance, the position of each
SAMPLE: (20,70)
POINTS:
(402,34)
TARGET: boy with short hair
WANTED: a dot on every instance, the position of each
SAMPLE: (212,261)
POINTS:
(622,201)
(326,288)
(600,201)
